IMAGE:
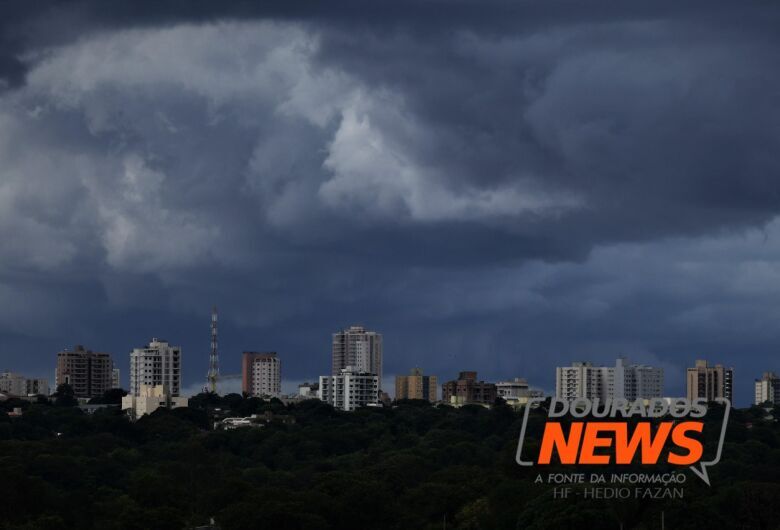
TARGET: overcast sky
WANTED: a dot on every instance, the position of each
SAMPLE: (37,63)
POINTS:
(495,186)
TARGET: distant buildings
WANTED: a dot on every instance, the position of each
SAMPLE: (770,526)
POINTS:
(150,398)
(416,386)
(158,364)
(709,382)
(467,390)
(350,389)
(88,373)
(768,389)
(116,378)
(261,374)
(359,349)
(18,385)
(622,381)
(308,390)
(517,392)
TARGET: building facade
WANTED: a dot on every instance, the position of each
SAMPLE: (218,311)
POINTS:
(623,381)
(158,364)
(261,374)
(709,382)
(467,390)
(18,385)
(116,378)
(416,386)
(359,349)
(517,391)
(308,390)
(12,383)
(88,373)
(149,399)
(37,387)
(350,389)
(768,389)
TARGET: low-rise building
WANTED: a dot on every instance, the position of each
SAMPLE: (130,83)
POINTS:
(149,399)
(467,390)
(350,389)
(517,392)
(308,390)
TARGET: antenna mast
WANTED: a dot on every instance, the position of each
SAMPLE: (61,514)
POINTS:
(213,375)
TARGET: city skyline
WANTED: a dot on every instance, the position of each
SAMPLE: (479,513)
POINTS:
(387,381)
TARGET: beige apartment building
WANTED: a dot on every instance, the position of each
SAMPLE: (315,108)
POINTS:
(88,373)
(709,382)
(416,386)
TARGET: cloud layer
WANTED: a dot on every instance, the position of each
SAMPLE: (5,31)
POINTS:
(493,196)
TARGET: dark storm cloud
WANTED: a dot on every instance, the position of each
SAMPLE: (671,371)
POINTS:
(513,184)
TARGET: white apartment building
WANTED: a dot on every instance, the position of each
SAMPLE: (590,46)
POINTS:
(350,389)
(149,399)
(624,380)
(768,389)
(157,364)
(358,348)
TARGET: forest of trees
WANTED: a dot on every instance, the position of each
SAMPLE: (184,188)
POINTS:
(412,466)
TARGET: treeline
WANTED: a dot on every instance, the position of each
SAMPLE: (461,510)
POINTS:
(414,466)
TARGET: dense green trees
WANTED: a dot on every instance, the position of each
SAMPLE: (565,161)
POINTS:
(413,466)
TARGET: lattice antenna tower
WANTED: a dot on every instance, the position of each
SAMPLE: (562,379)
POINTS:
(213,375)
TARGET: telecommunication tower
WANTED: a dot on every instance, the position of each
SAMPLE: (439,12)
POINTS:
(213,374)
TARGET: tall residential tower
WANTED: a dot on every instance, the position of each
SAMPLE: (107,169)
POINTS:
(157,364)
(359,349)
(709,382)
(261,374)
(88,373)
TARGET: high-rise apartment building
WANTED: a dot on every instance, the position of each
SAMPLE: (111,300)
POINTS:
(622,381)
(768,389)
(416,386)
(116,378)
(261,374)
(350,389)
(358,348)
(467,390)
(158,364)
(88,373)
(709,382)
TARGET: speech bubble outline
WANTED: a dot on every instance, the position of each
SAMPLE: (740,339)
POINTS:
(701,473)
(518,455)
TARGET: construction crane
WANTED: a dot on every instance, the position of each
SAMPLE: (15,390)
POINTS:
(213,375)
